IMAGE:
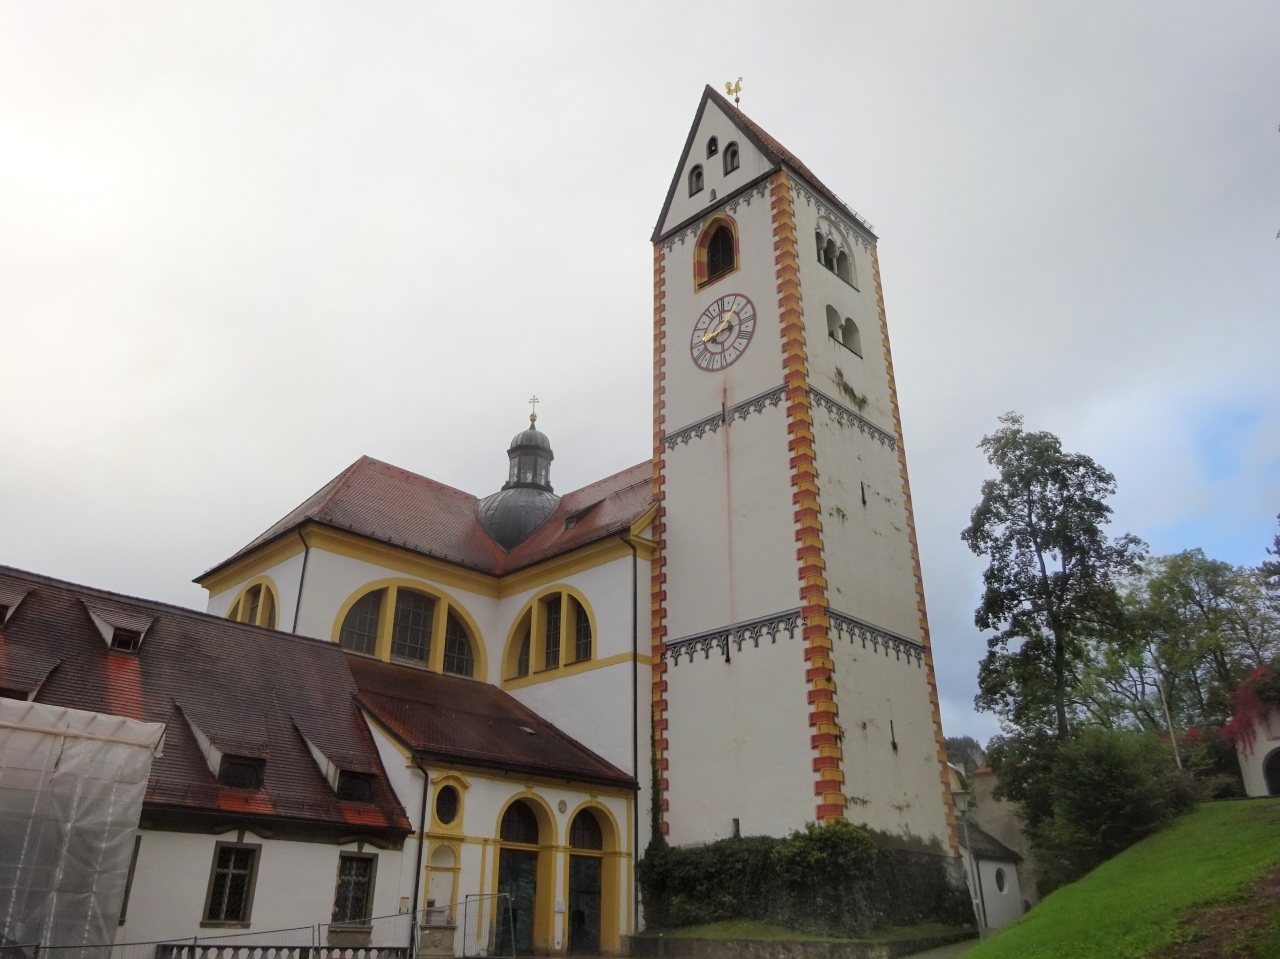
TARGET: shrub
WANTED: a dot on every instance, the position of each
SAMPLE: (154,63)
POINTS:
(1107,790)
(830,879)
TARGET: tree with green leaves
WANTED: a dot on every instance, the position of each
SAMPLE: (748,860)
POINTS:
(1051,582)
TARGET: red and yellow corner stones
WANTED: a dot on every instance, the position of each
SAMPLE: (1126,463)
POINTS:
(658,577)
(820,670)
(915,562)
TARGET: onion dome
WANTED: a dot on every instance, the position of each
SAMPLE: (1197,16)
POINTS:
(525,501)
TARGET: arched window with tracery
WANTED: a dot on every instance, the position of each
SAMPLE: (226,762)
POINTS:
(458,657)
(731,158)
(833,253)
(359,632)
(256,606)
(695,180)
(554,630)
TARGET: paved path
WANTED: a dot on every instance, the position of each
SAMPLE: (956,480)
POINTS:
(947,952)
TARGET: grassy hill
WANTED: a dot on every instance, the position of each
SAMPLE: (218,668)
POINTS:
(1193,889)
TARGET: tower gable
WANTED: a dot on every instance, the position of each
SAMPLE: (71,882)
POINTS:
(716,117)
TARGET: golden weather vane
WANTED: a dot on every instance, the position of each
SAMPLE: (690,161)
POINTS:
(733,89)
(533,408)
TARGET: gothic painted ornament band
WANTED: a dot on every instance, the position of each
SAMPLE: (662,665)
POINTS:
(712,423)
(758,404)
(843,413)
(823,208)
(844,626)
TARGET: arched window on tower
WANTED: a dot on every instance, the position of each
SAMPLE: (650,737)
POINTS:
(713,147)
(834,254)
(842,267)
(731,159)
(829,255)
(844,331)
(695,180)
(720,254)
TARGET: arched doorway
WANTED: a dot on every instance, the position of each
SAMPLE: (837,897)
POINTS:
(1271,772)
(586,861)
(517,879)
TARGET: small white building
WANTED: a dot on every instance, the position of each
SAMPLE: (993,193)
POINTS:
(991,868)
(1260,757)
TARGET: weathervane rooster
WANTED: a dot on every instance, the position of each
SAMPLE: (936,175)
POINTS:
(733,89)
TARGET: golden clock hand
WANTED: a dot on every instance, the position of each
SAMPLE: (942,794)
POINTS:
(717,331)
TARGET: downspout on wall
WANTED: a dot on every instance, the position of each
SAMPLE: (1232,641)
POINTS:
(302,579)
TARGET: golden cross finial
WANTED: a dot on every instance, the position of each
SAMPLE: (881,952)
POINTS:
(533,408)
(733,89)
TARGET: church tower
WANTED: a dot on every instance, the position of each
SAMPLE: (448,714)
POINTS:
(793,678)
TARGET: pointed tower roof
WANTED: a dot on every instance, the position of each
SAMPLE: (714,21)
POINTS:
(773,153)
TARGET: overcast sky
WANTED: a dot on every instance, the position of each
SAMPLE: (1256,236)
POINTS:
(243,243)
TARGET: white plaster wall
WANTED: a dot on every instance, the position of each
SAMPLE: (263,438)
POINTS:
(295,886)
(1266,740)
(896,791)
(753,164)
(1004,907)
(738,743)
(483,802)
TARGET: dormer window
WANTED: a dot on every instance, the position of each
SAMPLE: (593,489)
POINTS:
(731,158)
(240,772)
(355,787)
(713,147)
(695,180)
(125,640)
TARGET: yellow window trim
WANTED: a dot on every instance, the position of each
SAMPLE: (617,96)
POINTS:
(237,606)
(445,603)
(533,609)
(259,561)
(459,783)
(450,575)
(572,669)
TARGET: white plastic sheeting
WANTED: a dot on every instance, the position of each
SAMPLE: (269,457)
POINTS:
(71,790)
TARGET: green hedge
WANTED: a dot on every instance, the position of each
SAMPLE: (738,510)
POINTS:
(831,879)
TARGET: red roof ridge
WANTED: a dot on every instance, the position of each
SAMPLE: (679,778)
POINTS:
(153,603)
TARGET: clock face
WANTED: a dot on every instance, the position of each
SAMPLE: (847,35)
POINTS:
(722,332)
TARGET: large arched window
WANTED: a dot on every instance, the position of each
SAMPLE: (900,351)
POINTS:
(256,606)
(519,824)
(731,158)
(411,631)
(695,180)
(458,658)
(360,627)
(555,630)
(585,833)
(416,625)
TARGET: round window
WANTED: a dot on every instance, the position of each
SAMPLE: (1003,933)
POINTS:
(446,804)
(1000,880)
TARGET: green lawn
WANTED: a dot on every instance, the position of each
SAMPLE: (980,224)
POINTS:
(1130,906)
(752,929)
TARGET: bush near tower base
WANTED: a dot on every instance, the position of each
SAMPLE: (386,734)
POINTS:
(832,879)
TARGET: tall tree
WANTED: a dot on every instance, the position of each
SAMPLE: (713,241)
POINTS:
(1270,568)
(1050,583)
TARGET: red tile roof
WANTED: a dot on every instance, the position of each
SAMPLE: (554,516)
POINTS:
(451,719)
(250,690)
(392,505)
